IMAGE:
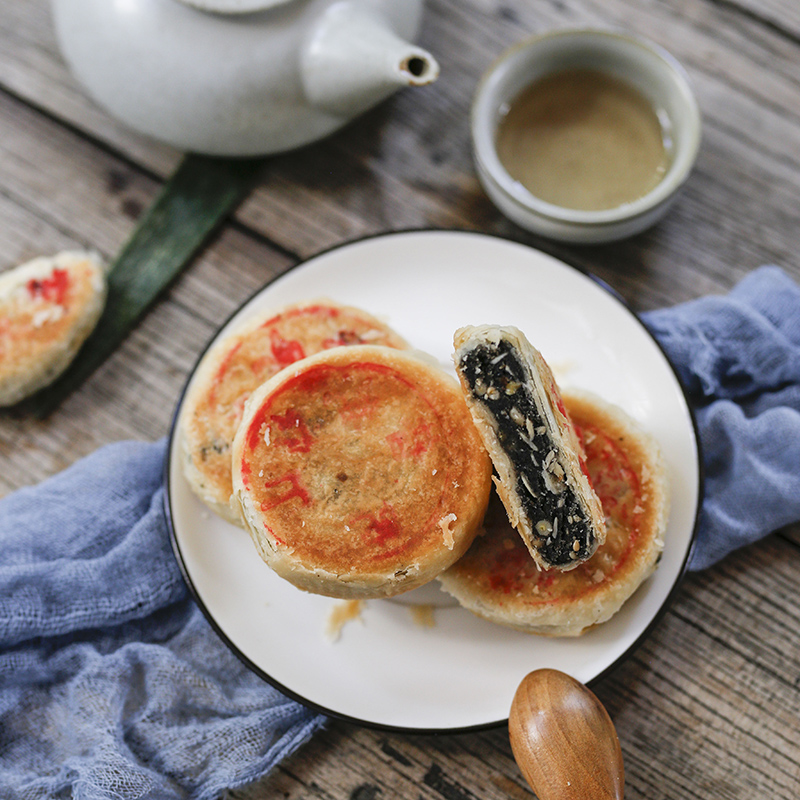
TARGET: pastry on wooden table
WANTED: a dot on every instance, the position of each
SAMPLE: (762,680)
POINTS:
(541,477)
(359,472)
(48,307)
(498,580)
(240,362)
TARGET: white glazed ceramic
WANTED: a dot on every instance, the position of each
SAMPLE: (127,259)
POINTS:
(386,669)
(641,64)
(241,77)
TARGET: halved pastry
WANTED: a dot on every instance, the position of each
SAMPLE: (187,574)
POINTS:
(48,307)
(359,472)
(242,361)
(541,477)
(499,581)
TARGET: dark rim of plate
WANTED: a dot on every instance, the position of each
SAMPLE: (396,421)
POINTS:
(401,728)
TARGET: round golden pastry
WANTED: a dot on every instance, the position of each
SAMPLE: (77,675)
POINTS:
(498,580)
(48,307)
(359,472)
(241,361)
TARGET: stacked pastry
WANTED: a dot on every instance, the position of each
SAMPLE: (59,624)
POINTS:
(584,489)
(361,470)
(351,461)
(239,363)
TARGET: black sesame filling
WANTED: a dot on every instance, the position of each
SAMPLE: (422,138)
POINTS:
(498,380)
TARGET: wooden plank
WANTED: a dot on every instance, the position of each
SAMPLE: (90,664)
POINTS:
(782,15)
(31,67)
(738,210)
(59,191)
(407,164)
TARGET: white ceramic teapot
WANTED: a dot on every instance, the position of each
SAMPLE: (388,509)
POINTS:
(241,77)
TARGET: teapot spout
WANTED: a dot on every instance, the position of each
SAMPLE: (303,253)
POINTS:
(353,59)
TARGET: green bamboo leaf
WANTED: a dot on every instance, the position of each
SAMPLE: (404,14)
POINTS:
(199,195)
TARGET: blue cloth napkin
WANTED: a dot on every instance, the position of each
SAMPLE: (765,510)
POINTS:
(113,685)
(739,358)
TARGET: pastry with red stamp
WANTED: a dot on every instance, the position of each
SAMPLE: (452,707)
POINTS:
(240,362)
(48,307)
(499,581)
(359,472)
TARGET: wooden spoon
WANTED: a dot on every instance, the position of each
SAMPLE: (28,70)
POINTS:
(563,739)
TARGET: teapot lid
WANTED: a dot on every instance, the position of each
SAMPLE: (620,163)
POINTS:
(234,6)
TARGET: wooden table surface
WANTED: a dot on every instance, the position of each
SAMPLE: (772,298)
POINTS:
(709,705)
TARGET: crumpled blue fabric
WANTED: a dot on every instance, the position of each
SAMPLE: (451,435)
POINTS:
(738,357)
(112,683)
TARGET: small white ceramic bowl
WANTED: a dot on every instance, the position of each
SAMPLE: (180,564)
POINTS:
(639,63)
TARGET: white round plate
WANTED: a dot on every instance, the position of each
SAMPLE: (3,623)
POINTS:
(386,669)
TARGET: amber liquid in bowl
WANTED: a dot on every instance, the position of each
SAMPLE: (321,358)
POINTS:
(583,140)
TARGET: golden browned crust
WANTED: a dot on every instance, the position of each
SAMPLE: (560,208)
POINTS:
(242,361)
(499,581)
(359,472)
(517,407)
(48,307)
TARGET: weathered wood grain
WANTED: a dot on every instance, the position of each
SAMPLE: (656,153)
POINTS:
(708,706)
(31,67)
(407,164)
(59,191)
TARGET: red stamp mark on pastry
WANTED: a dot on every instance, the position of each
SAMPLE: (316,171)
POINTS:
(383,531)
(293,313)
(297,437)
(263,362)
(513,570)
(52,289)
(614,477)
(396,442)
(285,351)
(421,438)
(410,444)
(245,470)
(384,527)
(616,483)
(507,569)
(295,488)
(221,372)
(286,430)
(360,409)
(237,408)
